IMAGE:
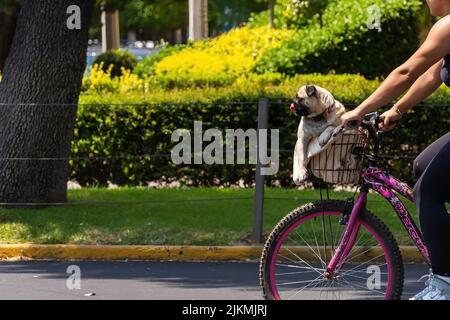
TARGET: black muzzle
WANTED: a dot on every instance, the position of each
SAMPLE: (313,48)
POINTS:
(298,108)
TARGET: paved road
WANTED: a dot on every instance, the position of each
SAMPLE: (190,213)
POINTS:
(144,280)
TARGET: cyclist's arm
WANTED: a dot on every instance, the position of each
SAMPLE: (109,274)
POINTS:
(436,46)
(424,86)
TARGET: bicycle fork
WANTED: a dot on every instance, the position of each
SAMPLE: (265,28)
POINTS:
(349,236)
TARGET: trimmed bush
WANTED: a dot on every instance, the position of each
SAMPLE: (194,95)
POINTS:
(115,61)
(221,60)
(102,82)
(134,127)
(326,36)
(343,43)
(137,137)
(146,67)
(129,88)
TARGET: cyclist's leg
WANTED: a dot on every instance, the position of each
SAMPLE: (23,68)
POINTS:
(431,192)
(425,157)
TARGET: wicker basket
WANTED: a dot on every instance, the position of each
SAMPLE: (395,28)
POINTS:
(340,161)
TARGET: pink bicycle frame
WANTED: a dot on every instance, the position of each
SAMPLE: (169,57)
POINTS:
(385,185)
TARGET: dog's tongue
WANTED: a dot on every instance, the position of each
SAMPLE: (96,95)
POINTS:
(292,107)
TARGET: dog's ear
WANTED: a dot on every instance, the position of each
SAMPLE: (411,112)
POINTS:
(311,91)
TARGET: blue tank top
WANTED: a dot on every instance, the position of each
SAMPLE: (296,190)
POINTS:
(445,71)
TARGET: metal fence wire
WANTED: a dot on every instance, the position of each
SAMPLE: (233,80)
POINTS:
(275,106)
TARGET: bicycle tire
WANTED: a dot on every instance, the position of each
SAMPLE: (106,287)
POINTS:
(310,209)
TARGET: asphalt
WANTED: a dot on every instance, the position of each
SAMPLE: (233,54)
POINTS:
(38,280)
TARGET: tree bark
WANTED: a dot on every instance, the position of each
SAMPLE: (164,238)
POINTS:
(272,13)
(38,95)
(8,21)
(110,30)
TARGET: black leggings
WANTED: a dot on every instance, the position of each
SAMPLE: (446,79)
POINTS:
(431,192)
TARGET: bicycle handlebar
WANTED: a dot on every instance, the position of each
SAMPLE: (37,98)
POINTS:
(370,122)
(371,119)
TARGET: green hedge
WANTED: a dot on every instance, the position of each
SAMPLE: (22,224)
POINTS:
(144,129)
(341,42)
(130,127)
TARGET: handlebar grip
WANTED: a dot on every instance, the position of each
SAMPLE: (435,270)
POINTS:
(353,124)
(381,120)
(394,121)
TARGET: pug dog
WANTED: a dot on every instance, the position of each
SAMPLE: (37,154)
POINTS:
(320,117)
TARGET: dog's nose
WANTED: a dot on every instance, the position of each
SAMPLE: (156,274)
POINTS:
(292,107)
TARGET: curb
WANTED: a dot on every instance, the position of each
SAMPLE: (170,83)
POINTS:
(160,253)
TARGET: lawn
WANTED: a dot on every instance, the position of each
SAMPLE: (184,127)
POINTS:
(197,216)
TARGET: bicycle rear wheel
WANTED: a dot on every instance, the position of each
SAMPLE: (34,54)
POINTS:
(297,252)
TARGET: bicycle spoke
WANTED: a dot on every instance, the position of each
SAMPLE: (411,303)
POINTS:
(323,262)
(297,282)
(357,277)
(304,261)
(359,254)
(362,287)
(361,270)
(331,235)
(306,287)
(324,236)
(358,244)
(359,265)
(317,244)
(289,273)
(348,280)
(295,266)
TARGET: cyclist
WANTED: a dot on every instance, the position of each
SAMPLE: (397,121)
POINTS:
(423,73)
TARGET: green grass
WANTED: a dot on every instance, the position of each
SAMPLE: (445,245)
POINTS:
(198,216)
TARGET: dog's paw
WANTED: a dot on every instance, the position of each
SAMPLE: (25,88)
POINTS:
(337,130)
(323,140)
(300,177)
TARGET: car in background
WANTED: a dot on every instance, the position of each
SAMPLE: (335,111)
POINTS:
(140,49)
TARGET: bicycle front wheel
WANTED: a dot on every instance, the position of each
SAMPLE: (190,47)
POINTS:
(296,254)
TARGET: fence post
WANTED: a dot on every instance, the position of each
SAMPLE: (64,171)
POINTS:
(263,119)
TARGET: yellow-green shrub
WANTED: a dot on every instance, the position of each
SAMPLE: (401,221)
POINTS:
(221,60)
(99,81)
(98,87)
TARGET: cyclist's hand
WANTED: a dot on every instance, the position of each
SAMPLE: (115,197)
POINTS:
(349,119)
(389,116)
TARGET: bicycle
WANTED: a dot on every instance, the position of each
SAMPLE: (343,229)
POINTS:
(338,249)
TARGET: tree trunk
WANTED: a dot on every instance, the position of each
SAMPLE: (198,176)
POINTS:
(272,13)
(110,30)
(38,95)
(8,21)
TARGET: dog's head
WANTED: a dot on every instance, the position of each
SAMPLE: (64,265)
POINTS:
(311,101)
